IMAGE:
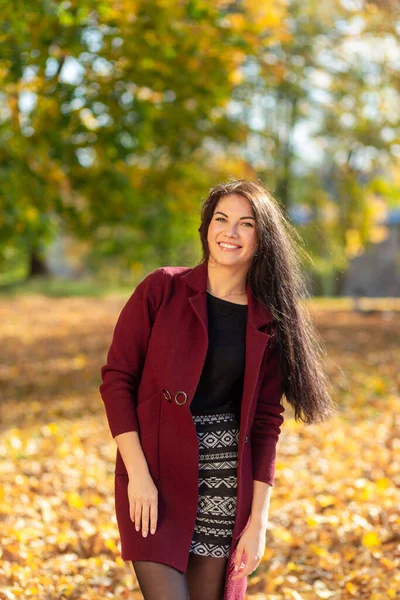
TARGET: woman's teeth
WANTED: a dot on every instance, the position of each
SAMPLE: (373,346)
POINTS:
(228,246)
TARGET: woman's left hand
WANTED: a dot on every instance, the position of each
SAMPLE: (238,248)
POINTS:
(249,551)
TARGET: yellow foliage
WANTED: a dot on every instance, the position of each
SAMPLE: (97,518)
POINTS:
(282,534)
(334,506)
(351,588)
(378,234)
(384,483)
(325,499)
(370,539)
(236,77)
(353,243)
(80,361)
(237,21)
(74,500)
(31,214)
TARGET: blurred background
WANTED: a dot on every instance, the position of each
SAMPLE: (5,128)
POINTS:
(116,118)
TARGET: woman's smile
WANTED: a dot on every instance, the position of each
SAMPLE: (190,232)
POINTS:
(232,231)
(228,247)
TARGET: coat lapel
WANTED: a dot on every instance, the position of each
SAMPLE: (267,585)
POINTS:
(258,316)
(196,278)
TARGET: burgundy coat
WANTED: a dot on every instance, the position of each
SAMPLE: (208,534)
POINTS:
(153,368)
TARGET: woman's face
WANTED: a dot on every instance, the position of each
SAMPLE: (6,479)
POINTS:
(232,222)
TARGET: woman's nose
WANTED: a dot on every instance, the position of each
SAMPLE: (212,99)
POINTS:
(231,231)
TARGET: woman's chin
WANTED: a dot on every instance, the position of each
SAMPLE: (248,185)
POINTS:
(227,261)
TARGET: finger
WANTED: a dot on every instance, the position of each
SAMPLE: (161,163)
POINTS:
(138,515)
(245,570)
(238,558)
(240,563)
(240,574)
(132,511)
(153,516)
(145,518)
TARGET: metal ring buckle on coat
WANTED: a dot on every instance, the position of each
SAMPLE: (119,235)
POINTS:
(177,394)
(167,395)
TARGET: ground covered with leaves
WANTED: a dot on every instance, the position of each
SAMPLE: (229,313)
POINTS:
(334,521)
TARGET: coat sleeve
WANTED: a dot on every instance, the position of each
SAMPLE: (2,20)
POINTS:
(267,420)
(125,359)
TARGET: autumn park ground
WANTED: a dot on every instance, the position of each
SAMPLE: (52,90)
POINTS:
(334,521)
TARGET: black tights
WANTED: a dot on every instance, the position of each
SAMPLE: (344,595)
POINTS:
(204,579)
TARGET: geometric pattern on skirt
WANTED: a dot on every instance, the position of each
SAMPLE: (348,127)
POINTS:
(218,436)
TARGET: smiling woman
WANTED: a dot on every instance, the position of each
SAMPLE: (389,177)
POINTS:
(232,244)
(199,361)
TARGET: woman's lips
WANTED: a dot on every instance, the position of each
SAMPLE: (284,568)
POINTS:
(228,249)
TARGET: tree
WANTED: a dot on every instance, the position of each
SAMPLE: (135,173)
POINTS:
(108,108)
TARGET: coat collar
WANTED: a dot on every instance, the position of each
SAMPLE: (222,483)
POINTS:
(257,315)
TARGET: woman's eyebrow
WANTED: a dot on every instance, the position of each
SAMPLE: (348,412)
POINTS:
(221,213)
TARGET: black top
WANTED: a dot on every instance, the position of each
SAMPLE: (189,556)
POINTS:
(220,387)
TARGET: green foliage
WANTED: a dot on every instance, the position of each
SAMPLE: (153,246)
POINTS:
(121,100)
(116,120)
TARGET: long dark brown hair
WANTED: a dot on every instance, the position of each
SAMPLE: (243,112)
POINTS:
(276,279)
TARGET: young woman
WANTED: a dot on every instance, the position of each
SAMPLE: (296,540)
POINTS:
(199,361)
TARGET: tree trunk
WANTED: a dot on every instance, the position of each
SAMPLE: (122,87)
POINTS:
(37,265)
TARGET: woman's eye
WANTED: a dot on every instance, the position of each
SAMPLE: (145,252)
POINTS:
(245,222)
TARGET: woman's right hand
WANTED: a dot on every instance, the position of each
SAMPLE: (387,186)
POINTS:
(143,502)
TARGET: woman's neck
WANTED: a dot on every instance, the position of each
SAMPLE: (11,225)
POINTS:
(226,281)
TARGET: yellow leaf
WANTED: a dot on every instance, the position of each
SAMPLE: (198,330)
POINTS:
(326,499)
(370,539)
(351,588)
(111,545)
(282,534)
(292,566)
(311,522)
(74,500)
(383,483)
(53,428)
(319,551)
(389,564)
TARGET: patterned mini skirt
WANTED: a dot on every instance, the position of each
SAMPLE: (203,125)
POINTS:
(218,436)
